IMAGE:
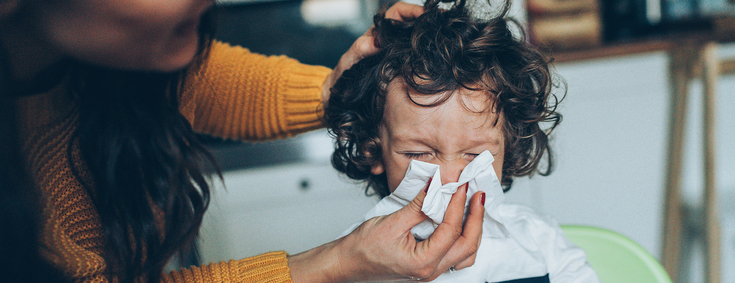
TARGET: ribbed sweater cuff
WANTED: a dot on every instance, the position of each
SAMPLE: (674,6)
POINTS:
(269,267)
(303,109)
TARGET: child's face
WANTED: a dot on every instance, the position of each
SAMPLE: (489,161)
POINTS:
(449,135)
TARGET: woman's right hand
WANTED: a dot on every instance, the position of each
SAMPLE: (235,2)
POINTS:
(383,248)
(366,45)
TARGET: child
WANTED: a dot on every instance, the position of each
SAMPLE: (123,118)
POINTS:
(452,99)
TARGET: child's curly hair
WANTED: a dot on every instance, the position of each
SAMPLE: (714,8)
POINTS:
(437,53)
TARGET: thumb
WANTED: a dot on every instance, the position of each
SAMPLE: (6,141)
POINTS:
(411,214)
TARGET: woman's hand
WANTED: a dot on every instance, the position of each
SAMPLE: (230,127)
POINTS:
(365,45)
(383,248)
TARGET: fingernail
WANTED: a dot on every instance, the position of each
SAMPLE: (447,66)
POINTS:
(482,198)
(426,190)
(375,42)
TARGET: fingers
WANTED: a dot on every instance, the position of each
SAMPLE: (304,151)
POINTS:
(362,47)
(463,252)
(455,210)
(472,233)
(473,223)
(365,45)
(411,214)
(387,243)
(467,262)
(384,246)
(403,11)
(451,228)
(447,233)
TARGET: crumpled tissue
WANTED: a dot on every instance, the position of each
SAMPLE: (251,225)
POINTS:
(479,176)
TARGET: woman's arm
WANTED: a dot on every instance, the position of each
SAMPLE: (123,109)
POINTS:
(381,249)
(241,95)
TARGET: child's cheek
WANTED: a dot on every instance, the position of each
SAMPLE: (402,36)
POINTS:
(498,167)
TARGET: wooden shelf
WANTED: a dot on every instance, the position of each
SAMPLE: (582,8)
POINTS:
(721,30)
(612,50)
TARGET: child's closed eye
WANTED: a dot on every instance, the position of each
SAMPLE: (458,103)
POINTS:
(427,155)
(417,155)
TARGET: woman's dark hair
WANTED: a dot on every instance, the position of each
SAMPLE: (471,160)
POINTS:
(20,214)
(437,53)
(141,162)
(149,171)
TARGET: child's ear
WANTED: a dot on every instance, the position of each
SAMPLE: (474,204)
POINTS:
(377,168)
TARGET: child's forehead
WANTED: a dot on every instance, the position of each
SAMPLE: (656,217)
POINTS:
(476,100)
(466,113)
(447,128)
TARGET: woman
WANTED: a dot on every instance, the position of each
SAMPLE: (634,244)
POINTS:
(103,178)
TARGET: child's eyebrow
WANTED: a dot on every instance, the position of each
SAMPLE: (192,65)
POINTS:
(413,138)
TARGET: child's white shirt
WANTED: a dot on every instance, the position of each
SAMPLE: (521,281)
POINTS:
(517,243)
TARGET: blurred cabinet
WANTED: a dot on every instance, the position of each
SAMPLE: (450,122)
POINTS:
(291,207)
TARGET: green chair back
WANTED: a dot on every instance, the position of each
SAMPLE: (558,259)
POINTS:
(615,258)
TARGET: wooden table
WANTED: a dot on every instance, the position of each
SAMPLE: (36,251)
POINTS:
(691,55)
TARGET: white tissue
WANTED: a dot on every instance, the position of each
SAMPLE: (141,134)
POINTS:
(479,175)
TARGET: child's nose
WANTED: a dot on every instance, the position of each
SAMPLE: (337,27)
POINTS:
(451,170)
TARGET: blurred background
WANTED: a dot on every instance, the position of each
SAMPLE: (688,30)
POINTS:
(611,148)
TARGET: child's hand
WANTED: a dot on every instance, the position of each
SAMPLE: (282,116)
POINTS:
(365,45)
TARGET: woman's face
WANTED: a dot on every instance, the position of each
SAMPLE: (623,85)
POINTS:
(156,35)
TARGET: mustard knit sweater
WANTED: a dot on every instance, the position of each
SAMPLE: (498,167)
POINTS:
(237,95)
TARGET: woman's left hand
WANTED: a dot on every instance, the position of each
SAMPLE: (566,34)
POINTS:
(365,45)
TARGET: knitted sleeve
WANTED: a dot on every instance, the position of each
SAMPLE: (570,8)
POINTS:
(241,95)
(269,267)
(73,238)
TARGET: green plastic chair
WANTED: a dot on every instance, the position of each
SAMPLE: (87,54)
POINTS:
(616,258)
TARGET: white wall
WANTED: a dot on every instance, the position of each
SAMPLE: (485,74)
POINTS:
(611,154)
(610,148)
(292,207)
